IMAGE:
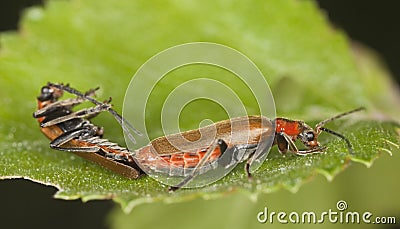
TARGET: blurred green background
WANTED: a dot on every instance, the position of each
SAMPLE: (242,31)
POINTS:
(375,189)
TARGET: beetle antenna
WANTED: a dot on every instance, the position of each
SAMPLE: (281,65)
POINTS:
(123,122)
(349,145)
(319,126)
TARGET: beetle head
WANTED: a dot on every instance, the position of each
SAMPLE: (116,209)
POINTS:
(308,136)
(49,93)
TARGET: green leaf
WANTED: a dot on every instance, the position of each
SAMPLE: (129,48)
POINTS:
(312,69)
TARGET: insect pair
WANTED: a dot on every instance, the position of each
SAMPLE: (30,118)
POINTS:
(238,139)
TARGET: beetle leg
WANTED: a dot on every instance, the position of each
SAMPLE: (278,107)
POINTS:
(218,143)
(70,135)
(62,103)
(56,106)
(84,113)
(308,151)
(124,123)
(260,151)
(247,166)
(285,143)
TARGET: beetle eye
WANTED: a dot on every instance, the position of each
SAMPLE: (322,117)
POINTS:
(46,90)
(46,94)
(310,136)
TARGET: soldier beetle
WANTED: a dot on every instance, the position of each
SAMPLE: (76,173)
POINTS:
(185,154)
(73,132)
